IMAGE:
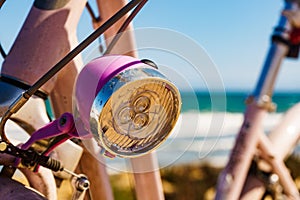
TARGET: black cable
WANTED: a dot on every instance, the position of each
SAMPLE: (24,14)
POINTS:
(3,54)
(124,26)
(1,48)
(22,86)
(56,68)
(91,12)
(1,3)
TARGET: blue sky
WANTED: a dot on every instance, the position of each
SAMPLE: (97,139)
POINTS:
(234,33)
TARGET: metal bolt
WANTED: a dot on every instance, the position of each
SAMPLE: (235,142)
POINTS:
(62,121)
(82,183)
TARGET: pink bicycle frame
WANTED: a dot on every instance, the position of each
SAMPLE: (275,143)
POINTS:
(60,89)
(251,139)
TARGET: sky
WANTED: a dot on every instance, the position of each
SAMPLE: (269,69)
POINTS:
(235,35)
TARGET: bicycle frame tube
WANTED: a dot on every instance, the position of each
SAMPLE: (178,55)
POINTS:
(38,36)
(290,126)
(276,54)
(33,53)
(282,140)
(232,178)
(278,167)
(148,184)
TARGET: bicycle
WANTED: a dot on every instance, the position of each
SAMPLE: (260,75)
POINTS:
(253,149)
(63,126)
(261,103)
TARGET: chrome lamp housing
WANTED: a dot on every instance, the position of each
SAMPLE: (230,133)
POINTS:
(128,106)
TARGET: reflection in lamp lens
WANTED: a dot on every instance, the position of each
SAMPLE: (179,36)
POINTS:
(141,104)
(125,115)
(140,120)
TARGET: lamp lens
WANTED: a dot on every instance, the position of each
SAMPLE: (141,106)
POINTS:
(134,111)
(139,115)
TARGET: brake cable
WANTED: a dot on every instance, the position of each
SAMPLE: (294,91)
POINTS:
(1,3)
(3,54)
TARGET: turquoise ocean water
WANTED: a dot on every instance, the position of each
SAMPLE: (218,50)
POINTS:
(234,101)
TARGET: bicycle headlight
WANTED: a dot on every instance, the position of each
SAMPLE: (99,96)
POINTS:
(128,106)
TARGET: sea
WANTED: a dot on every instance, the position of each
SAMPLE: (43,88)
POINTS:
(207,127)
